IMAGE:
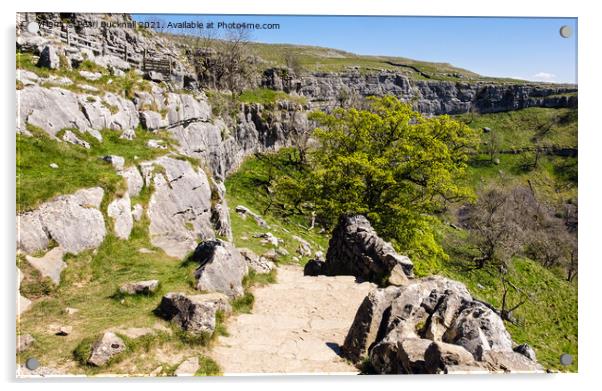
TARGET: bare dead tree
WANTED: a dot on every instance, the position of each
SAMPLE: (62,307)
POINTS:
(494,231)
(293,62)
(506,311)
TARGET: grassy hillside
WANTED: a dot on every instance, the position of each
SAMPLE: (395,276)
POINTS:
(319,59)
(553,177)
(247,187)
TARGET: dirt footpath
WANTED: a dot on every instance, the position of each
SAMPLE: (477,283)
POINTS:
(296,326)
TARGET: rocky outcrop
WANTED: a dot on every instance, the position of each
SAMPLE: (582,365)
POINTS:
(195,314)
(221,268)
(50,265)
(73,221)
(50,109)
(106,348)
(356,249)
(431,325)
(180,207)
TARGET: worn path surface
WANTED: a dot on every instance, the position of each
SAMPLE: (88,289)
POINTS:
(296,326)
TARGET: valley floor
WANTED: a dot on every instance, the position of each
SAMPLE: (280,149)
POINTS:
(296,326)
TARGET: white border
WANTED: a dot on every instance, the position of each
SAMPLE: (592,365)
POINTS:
(589,162)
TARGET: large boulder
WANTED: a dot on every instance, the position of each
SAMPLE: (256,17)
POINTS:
(73,221)
(50,109)
(195,314)
(221,268)
(356,249)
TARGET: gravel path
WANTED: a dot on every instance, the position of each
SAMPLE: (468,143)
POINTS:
(296,326)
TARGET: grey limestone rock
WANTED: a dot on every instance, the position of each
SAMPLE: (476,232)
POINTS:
(180,207)
(73,221)
(195,314)
(120,210)
(106,348)
(222,268)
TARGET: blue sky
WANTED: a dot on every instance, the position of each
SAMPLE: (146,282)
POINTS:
(526,48)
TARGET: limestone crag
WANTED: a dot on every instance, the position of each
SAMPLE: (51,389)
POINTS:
(327,90)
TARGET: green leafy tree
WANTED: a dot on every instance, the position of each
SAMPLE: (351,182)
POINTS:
(389,163)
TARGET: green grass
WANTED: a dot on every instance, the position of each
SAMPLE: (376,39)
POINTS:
(313,58)
(78,167)
(528,127)
(243,304)
(266,97)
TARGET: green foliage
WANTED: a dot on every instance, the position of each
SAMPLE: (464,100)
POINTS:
(208,367)
(194,339)
(389,163)
(259,279)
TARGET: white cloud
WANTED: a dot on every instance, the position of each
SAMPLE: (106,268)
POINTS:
(544,76)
